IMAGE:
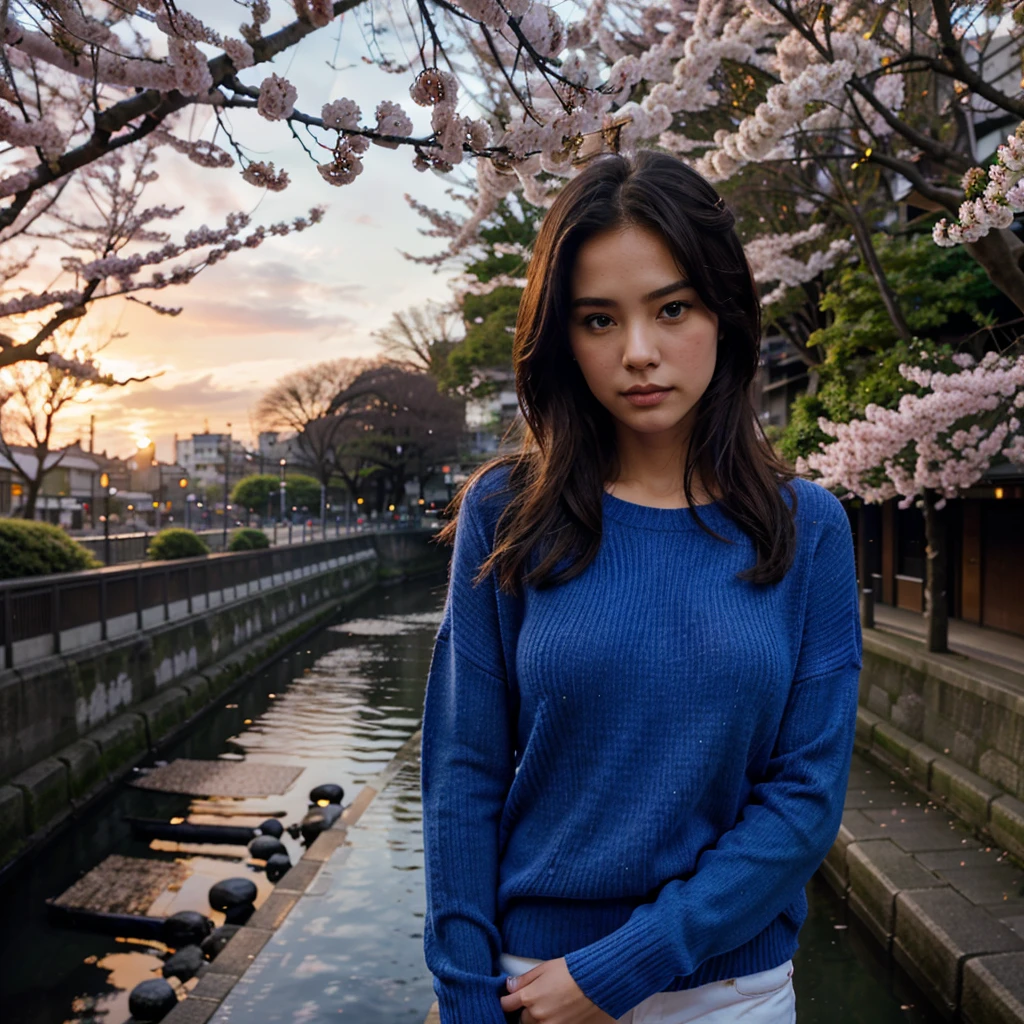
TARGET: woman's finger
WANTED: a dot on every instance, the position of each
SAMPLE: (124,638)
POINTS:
(522,980)
(512,1002)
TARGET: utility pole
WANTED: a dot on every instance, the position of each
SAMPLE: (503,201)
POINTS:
(92,433)
(227,486)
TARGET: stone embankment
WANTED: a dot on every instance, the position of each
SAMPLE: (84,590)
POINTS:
(71,724)
(930,854)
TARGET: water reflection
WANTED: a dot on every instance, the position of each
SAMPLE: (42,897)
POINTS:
(338,708)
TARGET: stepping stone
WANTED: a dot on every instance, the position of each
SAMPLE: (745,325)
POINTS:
(220,778)
(122,885)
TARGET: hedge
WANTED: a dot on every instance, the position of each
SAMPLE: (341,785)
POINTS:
(30,548)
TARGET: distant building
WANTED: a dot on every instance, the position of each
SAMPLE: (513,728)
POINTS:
(488,419)
(69,488)
(202,457)
(781,377)
(273,446)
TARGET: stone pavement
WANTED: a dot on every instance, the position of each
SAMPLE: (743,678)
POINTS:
(948,903)
(978,642)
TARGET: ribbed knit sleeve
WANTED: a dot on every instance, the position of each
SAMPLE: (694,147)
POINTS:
(759,867)
(467,769)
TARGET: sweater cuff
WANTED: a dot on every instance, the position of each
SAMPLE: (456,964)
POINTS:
(621,970)
(465,1002)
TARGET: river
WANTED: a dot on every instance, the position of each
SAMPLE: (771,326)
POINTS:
(338,707)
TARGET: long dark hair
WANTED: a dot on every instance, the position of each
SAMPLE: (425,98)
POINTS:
(568,450)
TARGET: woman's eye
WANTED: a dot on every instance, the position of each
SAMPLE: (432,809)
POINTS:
(592,321)
(674,310)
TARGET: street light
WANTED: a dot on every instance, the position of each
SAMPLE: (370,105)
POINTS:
(282,488)
(107,492)
(183,483)
(227,487)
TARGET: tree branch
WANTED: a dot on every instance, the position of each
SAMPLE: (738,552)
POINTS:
(153,107)
(962,70)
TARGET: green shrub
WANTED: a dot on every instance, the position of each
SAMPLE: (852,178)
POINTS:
(29,548)
(176,543)
(248,540)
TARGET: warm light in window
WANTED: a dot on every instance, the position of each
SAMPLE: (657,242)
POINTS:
(999,492)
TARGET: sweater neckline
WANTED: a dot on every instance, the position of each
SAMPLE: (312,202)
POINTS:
(650,517)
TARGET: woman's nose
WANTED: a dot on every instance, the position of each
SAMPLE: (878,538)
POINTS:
(641,349)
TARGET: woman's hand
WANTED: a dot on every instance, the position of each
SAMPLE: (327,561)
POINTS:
(547,994)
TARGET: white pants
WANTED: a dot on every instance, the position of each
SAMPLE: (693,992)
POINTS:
(763,998)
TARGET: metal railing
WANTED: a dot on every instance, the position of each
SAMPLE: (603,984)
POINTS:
(45,615)
(132,547)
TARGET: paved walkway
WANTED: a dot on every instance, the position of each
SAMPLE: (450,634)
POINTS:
(991,645)
(948,904)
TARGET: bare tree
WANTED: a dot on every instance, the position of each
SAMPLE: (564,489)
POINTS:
(401,424)
(422,336)
(304,403)
(32,398)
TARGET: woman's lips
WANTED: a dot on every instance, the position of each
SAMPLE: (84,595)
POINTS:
(650,398)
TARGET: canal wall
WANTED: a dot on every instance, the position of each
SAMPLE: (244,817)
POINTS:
(951,725)
(71,724)
(933,864)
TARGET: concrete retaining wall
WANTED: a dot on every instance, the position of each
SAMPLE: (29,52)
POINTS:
(71,724)
(934,868)
(972,713)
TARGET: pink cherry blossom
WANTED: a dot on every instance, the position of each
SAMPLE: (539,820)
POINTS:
(277,98)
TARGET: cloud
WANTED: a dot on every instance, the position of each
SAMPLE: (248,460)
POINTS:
(199,394)
(269,297)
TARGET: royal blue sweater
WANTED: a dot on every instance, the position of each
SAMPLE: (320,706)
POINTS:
(640,769)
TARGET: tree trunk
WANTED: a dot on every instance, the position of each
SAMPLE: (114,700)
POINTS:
(936,606)
(1000,253)
(32,489)
(867,249)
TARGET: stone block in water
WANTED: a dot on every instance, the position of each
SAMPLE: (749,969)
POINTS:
(328,791)
(215,942)
(151,1001)
(186,928)
(184,964)
(263,847)
(231,892)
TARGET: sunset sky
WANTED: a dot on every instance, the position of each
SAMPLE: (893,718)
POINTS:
(293,301)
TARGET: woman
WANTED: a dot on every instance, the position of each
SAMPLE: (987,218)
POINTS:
(641,702)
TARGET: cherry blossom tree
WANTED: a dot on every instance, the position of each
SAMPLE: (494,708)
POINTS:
(95,239)
(844,108)
(849,105)
(937,443)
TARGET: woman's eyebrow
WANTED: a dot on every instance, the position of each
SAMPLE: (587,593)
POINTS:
(658,293)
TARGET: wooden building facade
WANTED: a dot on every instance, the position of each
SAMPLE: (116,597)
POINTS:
(985,545)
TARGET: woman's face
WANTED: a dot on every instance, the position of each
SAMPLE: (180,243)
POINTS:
(636,321)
